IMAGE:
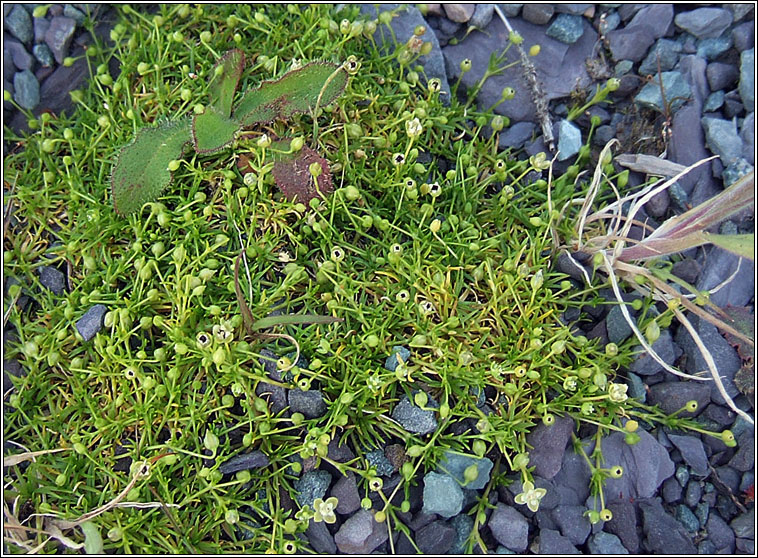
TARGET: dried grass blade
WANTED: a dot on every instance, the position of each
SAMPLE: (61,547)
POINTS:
(11,460)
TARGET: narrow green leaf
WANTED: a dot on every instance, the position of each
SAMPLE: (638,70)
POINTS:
(212,131)
(247,316)
(141,171)
(740,244)
(289,319)
(93,541)
(223,86)
(296,92)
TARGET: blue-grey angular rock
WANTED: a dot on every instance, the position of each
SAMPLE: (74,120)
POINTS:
(52,279)
(636,387)
(552,543)
(693,452)
(720,75)
(666,51)
(747,77)
(459,13)
(511,10)
(509,528)
(252,460)
(624,523)
(566,28)
(617,326)
(714,102)
(671,491)
(538,14)
(702,511)
(549,445)
(392,361)
(403,27)
(572,523)
(630,43)
(463,525)
(413,418)
(436,538)
(346,492)
(41,25)
(735,170)
(19,23)
(744,458)
(719,266)
(605,543)
(682,473)
(693,493)
(360,534)
(645,365)
(573,8)
(656,17)
(311,486)
(310,403)
(672,396)
(675,87)
(376,458)
(26,89)
(442,495)
(704,22)
(73,13)
(276,395)
(744,525)
(569,140)
(43,54)
(684,516)
(724,355)
(319,537)
(482,16)
(747,133)
(454,464)
(59,35)
(743,36)
(720,534)
(663,533)
(611,21)
(21,58)
(517,135)
(722,138)
(92,321)
(711,49)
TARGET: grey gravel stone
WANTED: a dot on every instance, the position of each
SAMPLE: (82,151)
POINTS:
(376,458)
(682,473)
(460,13)
(311,486)
(611,21)
(747,77)
(743,36)
(509,528)
(346,492)
(572,523)
(573,8)
(645,365)
(671,491)
(393,361)
(360,534)
(442,495)
(722,138)
(463,525)
(41,26)
(516,135)
(663,533)
(435,538)
(605,543)
(21,58)
(685,516)
(549,446)
(712,49)
(59,35)
(630,43)
(720,265)
(672,396)
(454,464)
(553,543)
(43,54)
(252,460)
(693,452)
(747,133)
(569,139)
(538,14)
(714,102)
(617,326)
(92,321)
(744,525)
(636,387)
(19,23)
(744,458)
(310,403)
(73,13)
(704,22)
(52,279)
(624,524)
(566,28)
(320,538)
(720,534)
(276,395)
(735,170)
(482,16)
(693,493)
(675,87)
(666,51)
(720,75)
(26,89)
(656,17)
(413,418)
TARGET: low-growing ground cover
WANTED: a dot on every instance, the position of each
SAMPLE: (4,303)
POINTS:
(435,251)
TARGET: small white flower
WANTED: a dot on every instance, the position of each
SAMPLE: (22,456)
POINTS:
(617,392)
(530,496)
(413,127)
(284,256)
(223,332)
(569,383)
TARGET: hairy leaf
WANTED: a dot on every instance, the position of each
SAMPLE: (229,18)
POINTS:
(741,244)
(297,92)
(141,171)
(212,131)
(293,176)
(223,86)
